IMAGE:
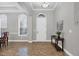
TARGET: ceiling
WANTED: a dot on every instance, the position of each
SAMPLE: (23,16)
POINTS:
(10,7)
(37,6)
(23,6)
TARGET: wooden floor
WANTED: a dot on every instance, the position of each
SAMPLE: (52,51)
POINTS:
(30,49)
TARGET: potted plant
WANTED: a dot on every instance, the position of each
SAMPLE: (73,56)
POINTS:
(58,33)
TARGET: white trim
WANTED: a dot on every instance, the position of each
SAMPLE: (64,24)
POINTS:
(55,6)
(18,40)
(7,5)
(31,6)
(28,41)
(13,33)
(11,11)
(43,9)
(41,41)
(23,7)
(66,51)
(19,7)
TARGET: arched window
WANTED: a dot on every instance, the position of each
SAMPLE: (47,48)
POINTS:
(3,19)
(22,25)
(3,22)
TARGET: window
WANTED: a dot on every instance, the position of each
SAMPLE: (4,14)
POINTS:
(3,22)
(3,19)
(22,22)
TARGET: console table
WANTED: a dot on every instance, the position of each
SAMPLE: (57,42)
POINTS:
(56,42)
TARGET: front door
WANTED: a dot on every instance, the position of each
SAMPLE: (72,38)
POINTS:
(41,27)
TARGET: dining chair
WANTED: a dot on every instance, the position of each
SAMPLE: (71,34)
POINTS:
(4,40)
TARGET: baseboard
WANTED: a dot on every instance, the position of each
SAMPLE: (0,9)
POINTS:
(29,41)
(41,41)
(66,51)
(20,41)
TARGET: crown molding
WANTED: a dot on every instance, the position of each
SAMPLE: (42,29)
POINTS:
(7,5)
(11,11)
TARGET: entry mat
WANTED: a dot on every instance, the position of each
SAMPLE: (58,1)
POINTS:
(23,52)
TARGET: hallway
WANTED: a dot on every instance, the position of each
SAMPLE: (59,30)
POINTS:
(37,22)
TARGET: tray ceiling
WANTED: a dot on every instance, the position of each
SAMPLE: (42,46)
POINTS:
(22,6)
(37,6)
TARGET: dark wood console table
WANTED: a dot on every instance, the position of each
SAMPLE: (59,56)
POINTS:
(56,42)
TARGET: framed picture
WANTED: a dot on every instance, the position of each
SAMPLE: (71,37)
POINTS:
(60,25)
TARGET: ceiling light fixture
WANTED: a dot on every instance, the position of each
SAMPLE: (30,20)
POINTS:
(45,4)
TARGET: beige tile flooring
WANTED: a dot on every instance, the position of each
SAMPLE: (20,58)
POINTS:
(33,49)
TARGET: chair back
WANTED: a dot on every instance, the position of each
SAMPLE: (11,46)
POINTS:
(5,35)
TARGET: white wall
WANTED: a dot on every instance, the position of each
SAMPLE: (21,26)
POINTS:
(50,23)
(12,26)
(66,11)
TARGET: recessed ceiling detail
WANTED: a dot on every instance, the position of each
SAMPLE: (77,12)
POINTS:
(26,6)
(37,6)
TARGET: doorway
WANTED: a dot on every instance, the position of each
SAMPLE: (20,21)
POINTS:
(41,27)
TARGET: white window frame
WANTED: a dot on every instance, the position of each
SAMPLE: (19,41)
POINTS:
(5,17)
(19,25)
